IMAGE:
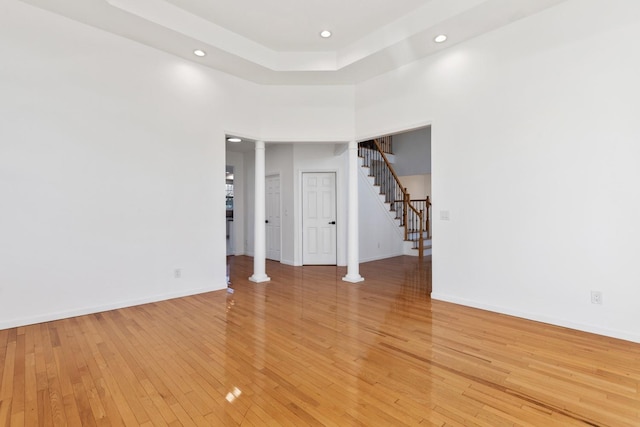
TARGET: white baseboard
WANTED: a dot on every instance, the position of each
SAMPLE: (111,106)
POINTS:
(379,257)
(623,335)
(48,317)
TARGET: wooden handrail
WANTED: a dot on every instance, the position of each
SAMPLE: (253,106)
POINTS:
(386,161)
(400,195)
(406,202)
(428,221)
(421,240)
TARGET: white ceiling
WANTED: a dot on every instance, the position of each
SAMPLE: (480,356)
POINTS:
(294,25)
(278,42)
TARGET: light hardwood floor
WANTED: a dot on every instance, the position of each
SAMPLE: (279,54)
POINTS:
(310,349)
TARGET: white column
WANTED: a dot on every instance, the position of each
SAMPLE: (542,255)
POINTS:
(353,274)
(259,229)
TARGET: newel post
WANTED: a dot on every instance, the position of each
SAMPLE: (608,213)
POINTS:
(405,208)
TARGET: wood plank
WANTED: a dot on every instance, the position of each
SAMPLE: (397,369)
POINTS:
(310,349)
(18,395)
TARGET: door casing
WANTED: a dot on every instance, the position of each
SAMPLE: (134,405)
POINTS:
(319,212)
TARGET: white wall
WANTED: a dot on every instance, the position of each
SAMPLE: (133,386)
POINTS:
(535,155)
(419,186)
(107,165)
(249,200)
(379,235)
(412,152)
(307,113)
(321,158)
(290,161)
(279,161)
(111,173)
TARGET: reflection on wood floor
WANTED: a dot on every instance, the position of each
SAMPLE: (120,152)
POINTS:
(310,349)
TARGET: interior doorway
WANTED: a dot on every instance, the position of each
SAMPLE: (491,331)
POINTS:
(229,193)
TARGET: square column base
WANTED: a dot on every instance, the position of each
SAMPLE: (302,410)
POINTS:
(259,278)
(356,278)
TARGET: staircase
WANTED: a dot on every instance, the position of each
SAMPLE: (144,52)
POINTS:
(412,214)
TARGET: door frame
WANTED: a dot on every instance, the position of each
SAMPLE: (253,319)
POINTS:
(279,175)
(338,206)
(341,208)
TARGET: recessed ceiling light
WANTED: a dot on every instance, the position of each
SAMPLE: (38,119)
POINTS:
(234,139)
(439,39)
(325,34)
(199,52)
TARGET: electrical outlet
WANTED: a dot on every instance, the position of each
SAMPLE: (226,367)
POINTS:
(177,273)
(596,297)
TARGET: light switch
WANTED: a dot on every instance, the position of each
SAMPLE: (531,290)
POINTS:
(444,215)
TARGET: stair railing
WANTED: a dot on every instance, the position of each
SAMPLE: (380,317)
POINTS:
(425,206)
(414,219)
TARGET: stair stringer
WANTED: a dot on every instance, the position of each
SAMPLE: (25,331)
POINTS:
(380,233)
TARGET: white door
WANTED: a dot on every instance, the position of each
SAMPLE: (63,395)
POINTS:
(319,218)
(272,216)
